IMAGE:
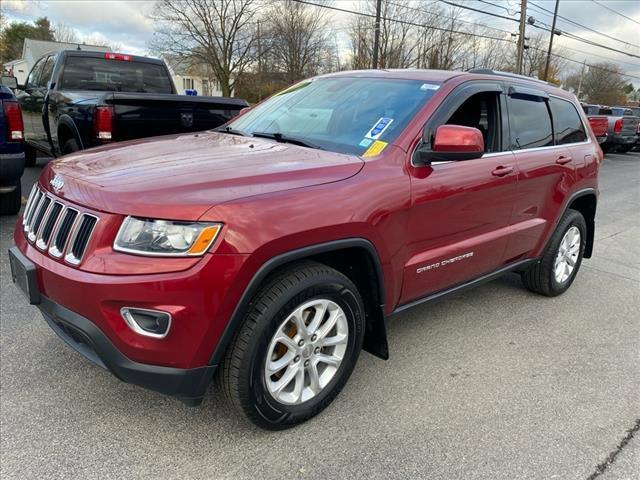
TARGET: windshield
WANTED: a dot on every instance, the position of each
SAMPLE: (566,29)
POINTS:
(87,73)
(340,114)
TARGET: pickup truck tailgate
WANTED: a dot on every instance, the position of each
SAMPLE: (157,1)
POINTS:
(599,125)
(145,115)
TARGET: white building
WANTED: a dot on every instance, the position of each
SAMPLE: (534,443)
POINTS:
(188,75)
(33,50)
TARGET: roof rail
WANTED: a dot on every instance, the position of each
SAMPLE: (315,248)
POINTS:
(488,71)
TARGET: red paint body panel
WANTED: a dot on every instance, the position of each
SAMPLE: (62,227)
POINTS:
(274,198)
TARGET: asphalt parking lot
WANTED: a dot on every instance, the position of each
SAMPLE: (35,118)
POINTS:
(494,383)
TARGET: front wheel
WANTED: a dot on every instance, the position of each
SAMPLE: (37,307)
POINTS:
(296,348)
(554,273)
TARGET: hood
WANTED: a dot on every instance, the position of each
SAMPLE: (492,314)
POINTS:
(182,176)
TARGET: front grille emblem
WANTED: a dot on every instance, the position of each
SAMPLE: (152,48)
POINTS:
(56,183)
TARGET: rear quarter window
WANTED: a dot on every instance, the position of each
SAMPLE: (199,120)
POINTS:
(567,125)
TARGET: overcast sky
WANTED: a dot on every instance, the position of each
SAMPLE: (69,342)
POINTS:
(126,23)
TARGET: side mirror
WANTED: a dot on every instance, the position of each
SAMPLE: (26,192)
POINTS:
(9,81)
(453,143)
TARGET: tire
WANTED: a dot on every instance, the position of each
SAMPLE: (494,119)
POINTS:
(11,202)
(541,276)
(70,146)
(625,149)
(30,156)
(243,376)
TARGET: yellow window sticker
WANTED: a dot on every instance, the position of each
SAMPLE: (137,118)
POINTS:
(375,149)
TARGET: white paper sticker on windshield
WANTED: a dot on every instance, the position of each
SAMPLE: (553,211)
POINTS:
(378,129)
(429,86)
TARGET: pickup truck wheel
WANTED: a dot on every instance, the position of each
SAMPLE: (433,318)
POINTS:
(10,202)
(296,348)
(30,156)
(70,146)
(554,273)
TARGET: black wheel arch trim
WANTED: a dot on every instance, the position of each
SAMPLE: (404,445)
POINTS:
(591,226)
(66,121)
(375,338)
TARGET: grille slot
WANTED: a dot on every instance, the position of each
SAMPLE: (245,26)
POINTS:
(61,235)
(38,217)
(29,205)
(45,232)
(81,238)
(32,210)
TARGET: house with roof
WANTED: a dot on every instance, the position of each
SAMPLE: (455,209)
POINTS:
(33,50)
(190,74)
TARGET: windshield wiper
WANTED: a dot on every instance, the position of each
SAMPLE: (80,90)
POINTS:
(281,138)
(231,131)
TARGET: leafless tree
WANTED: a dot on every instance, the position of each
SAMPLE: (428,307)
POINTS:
(299,41)
(219,33)
(396,38)
(65,33)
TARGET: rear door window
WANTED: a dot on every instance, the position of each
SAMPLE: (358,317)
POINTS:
(89,73)
(530,122)
(567,125)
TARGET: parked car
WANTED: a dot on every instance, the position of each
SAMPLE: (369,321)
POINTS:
(11,151)
(75,99)
(271,251)
(599,123)
(622,135)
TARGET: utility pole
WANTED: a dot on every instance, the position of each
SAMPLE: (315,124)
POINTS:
(553,32)
(523,22)
(376,40)
(584,64)
(259,61)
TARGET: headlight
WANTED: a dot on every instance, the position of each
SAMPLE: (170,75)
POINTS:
(165,238)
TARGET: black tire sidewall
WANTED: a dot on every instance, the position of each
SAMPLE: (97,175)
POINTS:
(11,202)
(70,146)
(572,219)
(278,415)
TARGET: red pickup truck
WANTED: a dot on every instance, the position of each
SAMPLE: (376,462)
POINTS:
(270,252)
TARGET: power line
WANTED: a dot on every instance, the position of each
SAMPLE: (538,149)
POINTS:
(615,11)
(344,10)
(571,35)
(583,26)
(405,22)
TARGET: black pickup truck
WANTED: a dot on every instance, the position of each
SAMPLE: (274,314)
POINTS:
(75,99)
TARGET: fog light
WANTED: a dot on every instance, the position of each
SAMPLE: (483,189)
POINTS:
(149,323)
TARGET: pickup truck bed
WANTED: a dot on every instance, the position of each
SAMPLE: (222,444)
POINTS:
(78,99)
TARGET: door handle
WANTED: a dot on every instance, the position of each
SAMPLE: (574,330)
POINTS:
(502,170)
(563,160)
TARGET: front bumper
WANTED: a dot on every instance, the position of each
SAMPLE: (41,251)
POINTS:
(189,384)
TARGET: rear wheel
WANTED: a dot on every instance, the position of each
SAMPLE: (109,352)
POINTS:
(70,146)
(554,273)
(10,202)
(296,348)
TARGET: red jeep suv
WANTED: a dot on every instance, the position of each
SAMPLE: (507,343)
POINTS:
(269,252)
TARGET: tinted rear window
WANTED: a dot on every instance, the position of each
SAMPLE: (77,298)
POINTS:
(530,123)
(567,125)
(86,73)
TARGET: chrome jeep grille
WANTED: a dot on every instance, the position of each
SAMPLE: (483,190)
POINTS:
(56,228)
